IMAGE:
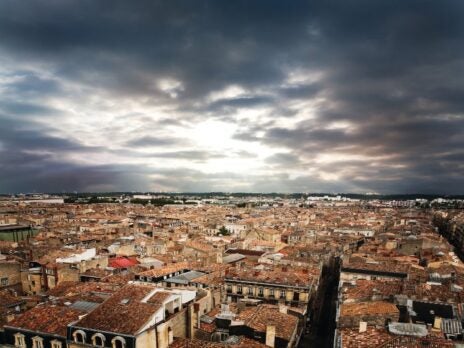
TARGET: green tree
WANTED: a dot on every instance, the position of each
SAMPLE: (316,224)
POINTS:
(224,231)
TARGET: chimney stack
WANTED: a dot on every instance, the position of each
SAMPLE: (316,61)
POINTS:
(270,335)
(362,326)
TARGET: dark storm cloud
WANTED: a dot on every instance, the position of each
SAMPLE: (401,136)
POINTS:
(206,44)
(32,173)
(26,109)
(243,102)
(304,91)
(20,137)
(384,87)
(283,160)
(151,141)
(28,162)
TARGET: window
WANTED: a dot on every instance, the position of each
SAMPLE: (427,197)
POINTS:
(118,342)
(260,291)
(239,289)
(4,281)
(229,288)
(56,344)
(37,342)
(98,340)
(282,293)
(296,296)
(19,340)
(271,292)
(79,336)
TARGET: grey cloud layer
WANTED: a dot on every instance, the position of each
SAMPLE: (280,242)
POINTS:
(384,96)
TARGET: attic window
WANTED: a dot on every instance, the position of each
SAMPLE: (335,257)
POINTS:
(19,340)
(56,344)
(118,342)
(125,301)
(98,340)
(37,342)
(79,336)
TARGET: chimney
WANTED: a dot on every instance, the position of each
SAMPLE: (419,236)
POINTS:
(270,335)
(362,326)
(241,306)
(282,308)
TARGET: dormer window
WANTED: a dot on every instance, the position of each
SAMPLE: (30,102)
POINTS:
(56,344)
(79,336)
(37,342)
(118,342)
(98,340)
(20,342)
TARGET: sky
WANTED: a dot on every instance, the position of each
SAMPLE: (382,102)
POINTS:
(235,96)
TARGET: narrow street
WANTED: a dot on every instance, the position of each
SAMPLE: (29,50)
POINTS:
(321,333)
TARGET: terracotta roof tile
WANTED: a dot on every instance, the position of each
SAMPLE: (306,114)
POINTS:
(47,319)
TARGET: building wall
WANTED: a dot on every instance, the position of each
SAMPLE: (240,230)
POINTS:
(31,282)
(146,340)
(10,274)
(252,291)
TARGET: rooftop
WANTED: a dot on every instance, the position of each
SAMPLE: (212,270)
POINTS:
(48,319)
(368,308)
(125,312)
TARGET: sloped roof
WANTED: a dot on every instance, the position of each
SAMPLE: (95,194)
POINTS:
(47,319)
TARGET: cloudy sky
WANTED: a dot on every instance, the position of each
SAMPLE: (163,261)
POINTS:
(286,96)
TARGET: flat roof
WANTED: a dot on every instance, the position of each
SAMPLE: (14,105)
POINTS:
(8,228)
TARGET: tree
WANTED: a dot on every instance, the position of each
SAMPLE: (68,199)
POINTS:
(223,231)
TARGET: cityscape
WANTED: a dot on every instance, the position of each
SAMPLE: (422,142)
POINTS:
(224,270)
(231,174)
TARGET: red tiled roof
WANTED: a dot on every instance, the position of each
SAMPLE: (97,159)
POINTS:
(123,262)
(47,319)
(124,312)
(244,342)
